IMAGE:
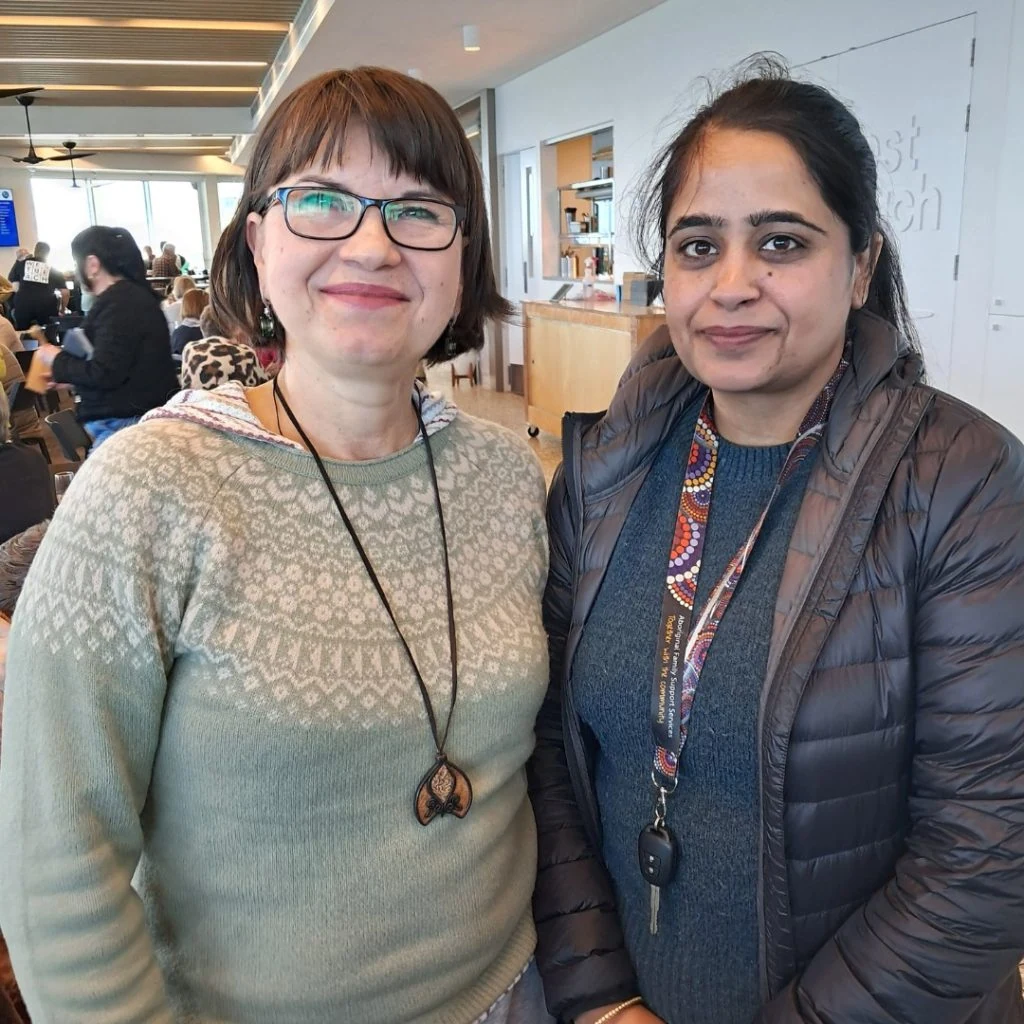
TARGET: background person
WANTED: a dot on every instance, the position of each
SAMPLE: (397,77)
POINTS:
(131,370)
(193,302)
(41,289)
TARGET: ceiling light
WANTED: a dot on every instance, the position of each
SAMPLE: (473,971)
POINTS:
(470,38)
(131,62)
(140,88)
(57,21)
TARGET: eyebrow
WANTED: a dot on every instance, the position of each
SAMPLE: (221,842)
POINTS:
(409,193)
(705,220)
(782,217)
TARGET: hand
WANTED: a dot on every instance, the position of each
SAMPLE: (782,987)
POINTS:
(22,254)
(46,353)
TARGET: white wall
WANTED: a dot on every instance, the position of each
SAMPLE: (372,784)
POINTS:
(641,77)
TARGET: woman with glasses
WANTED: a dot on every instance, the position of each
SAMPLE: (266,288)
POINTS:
(281,655)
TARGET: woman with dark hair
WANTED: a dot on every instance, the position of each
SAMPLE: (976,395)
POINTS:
(130,370)
(779,774)
(301,712)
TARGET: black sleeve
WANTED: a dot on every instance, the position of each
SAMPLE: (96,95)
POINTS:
(581,952)
(948,928)
(58,280)
(17,272)
(114,334)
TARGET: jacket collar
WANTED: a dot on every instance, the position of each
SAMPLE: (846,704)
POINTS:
(656,388)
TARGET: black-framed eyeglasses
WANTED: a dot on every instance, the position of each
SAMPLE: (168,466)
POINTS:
(330,214)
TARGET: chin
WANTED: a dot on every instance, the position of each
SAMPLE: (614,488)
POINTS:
(752,372)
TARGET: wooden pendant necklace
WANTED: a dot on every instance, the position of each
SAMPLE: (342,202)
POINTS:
(445,788)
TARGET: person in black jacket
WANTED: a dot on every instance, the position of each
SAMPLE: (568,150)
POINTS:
(42,290)
(786,621)
(25,482)
(131,370)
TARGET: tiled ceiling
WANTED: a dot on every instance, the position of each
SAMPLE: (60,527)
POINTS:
(118,30)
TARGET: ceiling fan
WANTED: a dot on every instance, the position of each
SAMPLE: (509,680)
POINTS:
(32,157)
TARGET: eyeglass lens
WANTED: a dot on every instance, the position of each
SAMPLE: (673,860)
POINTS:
(328,214)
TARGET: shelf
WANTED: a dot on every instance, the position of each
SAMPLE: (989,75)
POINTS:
(588,238)
(593,185)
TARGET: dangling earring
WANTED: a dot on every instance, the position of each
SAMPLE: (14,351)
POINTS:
(451,347)
(268,323)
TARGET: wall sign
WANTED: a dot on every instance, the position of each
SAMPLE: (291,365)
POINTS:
(8,221)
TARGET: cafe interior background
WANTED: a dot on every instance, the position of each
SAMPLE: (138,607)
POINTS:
(565,104)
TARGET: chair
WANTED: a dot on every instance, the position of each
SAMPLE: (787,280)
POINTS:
(18,400)
(464,368)
(70,434)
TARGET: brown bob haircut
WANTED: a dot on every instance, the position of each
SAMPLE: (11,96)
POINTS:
(193,302)
(410,124)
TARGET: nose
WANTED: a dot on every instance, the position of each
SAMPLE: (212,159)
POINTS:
(736,279)
(370,246)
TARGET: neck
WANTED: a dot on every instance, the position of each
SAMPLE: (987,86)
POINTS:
(350,420)
(765,418)
(102,281)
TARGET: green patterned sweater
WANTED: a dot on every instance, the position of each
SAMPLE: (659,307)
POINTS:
(212,738)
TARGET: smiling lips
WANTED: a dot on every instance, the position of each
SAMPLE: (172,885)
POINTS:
(365,296)
(735,337)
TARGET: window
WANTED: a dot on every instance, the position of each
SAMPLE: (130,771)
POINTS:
(152,211)
(174,217)
(122,204)
(61,212)
(229,195)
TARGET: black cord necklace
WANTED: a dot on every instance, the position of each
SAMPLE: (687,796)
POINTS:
(445,789)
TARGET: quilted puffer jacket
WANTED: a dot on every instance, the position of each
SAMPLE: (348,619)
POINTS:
(891,719)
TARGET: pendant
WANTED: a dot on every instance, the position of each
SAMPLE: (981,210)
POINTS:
(445,789)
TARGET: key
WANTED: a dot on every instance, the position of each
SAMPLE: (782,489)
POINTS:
(656,849)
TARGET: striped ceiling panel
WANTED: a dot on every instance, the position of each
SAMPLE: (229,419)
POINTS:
(166,44)
(224,10)
(55,75)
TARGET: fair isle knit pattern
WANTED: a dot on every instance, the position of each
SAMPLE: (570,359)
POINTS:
(202,684)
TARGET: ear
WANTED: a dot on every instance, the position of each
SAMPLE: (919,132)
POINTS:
(864,270)
(254,239)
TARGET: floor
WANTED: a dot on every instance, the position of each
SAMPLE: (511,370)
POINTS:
(500,407)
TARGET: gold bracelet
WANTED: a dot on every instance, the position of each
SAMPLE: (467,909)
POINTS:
(616,1010)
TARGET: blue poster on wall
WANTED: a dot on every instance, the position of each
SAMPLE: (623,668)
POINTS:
(8,221)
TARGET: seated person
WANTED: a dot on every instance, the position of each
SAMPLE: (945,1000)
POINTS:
(6,300)
(166,264)
(9,337)
(25,482)
(24,421)
(131,370)
(193,302)
(41,290)
(208,363)
(172,307)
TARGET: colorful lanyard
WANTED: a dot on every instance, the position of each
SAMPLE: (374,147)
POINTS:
(682,649)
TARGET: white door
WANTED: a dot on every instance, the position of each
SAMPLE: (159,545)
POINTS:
(911,94)
(1002,387)
(520,209)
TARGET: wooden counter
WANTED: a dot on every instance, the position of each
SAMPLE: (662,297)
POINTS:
(574,354)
